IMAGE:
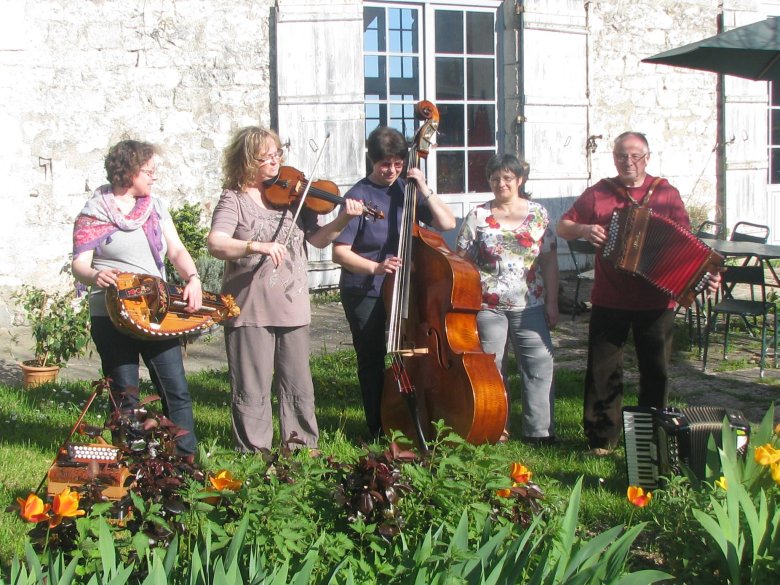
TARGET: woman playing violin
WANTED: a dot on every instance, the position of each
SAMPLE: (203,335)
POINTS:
(367,250)
(268,343)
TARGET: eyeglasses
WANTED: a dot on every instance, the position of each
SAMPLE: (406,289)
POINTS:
(151,173)
(503,178)
(270,156)
(633,157)
(391,164)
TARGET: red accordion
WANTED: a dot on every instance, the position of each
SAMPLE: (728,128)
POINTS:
(662,252)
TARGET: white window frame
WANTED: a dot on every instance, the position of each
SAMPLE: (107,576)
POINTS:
(427,68)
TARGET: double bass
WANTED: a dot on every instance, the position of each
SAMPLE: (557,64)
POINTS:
(438,370)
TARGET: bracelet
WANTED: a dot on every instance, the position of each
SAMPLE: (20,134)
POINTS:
(429,195)
(193,275)
(248,251)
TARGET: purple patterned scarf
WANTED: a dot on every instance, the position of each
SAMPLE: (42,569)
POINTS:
(101,218)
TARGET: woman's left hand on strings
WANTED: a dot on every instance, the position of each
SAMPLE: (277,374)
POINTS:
(416,175)
(352,207)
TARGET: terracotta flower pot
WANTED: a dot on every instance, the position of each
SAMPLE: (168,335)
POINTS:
(36,375)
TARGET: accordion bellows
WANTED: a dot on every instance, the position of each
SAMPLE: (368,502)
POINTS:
(659,442)
(664,253)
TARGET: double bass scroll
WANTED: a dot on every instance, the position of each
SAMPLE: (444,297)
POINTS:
(438,369)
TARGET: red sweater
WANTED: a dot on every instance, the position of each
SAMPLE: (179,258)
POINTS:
(612,288)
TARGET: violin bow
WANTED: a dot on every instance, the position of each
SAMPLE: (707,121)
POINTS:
(320,150)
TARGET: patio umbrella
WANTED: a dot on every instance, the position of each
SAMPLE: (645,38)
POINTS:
(751,51)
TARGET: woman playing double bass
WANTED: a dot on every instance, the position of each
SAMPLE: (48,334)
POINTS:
(367,250)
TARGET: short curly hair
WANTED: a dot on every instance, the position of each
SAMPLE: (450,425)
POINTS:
(239,165)
(125,159)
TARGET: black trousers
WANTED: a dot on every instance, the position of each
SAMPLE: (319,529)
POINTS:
(607,335)
(366,317)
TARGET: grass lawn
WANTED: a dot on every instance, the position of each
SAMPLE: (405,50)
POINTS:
(35,422)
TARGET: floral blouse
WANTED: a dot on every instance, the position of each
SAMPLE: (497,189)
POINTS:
(507,258)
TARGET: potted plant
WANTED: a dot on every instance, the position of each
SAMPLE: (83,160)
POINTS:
(60,327)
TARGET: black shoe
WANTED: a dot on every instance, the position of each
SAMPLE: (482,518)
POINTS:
(538,441)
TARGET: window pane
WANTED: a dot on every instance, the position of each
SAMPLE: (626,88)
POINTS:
(376,115)
(477,163)
(481,125)
(482,79)
(774,173)
(775,128)
(404,78)
(479,33)
(449,78)
(403,30)
(375,77)
(451,130)
(373,29)
(402,119)
(450,172)
(449,31)
(774,91)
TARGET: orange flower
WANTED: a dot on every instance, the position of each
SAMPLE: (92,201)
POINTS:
(224,481)
(767,455)
(504,493)
(33,509)
(638,497)
(65,505)
(520,473)
(722,484)
(776,473)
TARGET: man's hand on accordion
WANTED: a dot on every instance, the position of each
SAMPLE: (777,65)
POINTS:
(593,233)
(714,283)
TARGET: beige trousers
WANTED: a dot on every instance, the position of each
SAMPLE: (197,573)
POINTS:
(266,359)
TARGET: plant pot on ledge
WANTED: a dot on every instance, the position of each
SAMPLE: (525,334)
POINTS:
(34,375)
(60,328)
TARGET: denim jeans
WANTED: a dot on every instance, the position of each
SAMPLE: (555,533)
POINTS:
(527,331)
(119,357)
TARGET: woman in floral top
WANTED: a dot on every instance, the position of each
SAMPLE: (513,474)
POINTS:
(512,244)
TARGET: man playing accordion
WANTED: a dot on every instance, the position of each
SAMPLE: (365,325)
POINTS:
(620,301)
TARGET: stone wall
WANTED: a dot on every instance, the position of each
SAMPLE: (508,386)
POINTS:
(78,76)
(675,108)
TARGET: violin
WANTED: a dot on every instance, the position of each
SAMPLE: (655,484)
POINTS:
(287,187)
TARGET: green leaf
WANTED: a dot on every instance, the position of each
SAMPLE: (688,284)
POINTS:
(644,577)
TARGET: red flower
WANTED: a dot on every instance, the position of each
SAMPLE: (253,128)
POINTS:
(524,239)
(33,509)
(520,473)
(65,505)
(638,497)
(490,299)
(491,221)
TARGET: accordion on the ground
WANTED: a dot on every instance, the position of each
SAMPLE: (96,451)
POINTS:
(662,252)
(659,442)
(80,463)
(148,307)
